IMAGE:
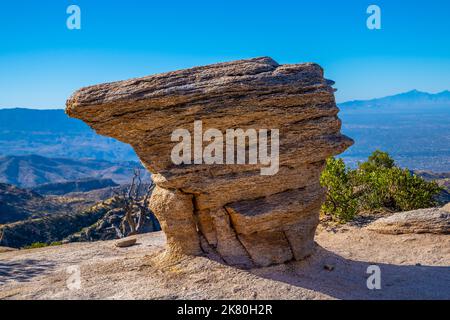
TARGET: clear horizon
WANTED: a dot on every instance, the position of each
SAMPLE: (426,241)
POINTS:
(42,62)
(338,102)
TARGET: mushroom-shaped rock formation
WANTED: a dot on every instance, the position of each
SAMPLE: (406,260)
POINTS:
(233,210)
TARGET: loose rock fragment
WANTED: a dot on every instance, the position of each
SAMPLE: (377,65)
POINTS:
(124,243)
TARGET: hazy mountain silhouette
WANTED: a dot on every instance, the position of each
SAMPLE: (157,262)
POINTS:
(395,103)
(414,127)
(33,170)
(52,133)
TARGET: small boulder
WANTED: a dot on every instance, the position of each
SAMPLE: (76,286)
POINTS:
(127,242)
(433,220)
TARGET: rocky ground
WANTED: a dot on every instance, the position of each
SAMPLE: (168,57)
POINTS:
(413,266)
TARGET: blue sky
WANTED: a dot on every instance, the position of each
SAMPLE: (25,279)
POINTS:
(42,62)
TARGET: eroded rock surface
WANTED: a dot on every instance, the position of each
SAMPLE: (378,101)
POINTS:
(446,207)
(432,220)
(246,218)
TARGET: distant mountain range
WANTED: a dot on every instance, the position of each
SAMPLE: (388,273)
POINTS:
(414,127)
(52,133)
(395,103)
(33,170)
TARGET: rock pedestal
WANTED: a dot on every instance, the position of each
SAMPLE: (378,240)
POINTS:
(246,218)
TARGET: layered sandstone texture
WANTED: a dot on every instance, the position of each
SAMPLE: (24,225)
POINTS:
(230,211)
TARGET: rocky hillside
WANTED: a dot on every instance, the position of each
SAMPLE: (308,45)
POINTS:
(77,186)
(105,228)
(18,204)
(51,228)
(27,217)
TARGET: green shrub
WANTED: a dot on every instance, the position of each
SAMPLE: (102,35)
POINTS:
(35,245)
(340,202)
(376,185)
(411,192)
(42,245)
